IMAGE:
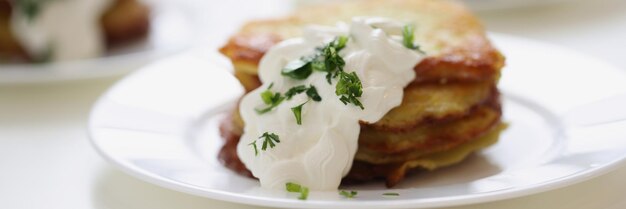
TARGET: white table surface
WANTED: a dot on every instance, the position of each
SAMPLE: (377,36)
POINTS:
(46,160)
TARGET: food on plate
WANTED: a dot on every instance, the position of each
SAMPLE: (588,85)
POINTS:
(362,90)
(57,30)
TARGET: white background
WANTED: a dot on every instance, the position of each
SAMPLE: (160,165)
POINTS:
(47,162)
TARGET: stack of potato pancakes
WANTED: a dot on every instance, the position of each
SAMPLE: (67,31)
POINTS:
(450,110)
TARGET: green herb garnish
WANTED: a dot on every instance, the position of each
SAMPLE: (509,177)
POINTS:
(267,97)
(311,92)
(298,69)
(295,90)
(391,194)
(333,63)
(293,187)
(347,194)
(253,144)
(297,111)
(325,59)
(408,36)
(340,42)
(271,99)
(349,88)
(269,138)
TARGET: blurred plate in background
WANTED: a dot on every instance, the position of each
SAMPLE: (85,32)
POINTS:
(175,26)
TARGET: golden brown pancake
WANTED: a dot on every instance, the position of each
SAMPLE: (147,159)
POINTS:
(453,39)
(450,110)
(390,155)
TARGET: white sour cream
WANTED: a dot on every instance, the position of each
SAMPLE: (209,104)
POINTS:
(318,153)
(67,29)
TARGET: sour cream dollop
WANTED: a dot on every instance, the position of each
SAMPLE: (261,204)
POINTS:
(320,151)
(61,29)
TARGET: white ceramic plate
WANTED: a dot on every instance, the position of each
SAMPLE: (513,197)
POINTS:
(174,27)
(160,125)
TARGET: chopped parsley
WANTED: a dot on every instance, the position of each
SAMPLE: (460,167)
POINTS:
(408,36)
(328,60)
(297,111)
(325,59)
(295,90)
(311,92)
(333,63)
(298,69)
(269,138)
(347,194)
(256,150)
(391,194)
(349,88)
(297,188)
(340,42)
(271,99)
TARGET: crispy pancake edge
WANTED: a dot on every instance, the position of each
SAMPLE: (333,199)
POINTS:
(471,58)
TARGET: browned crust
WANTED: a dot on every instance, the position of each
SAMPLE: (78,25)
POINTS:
(474,63)
(419,97)
(425,103)
(248,49)
(393,173)
(454,40)
(248,81)
(442,134)
(361,170)
(230,133)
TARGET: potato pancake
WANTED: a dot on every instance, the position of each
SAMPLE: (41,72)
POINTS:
(450,110)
